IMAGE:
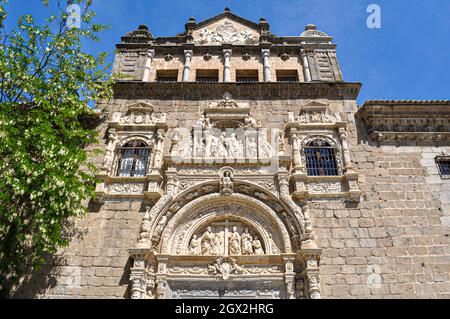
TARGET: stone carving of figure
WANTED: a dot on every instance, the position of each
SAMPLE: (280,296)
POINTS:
(266,148)
(160,226)
(240,148)
(109,151)
(215,147)
(257,246)
(222,145)
(303,118)
(247,247)
(281,144)
(217,248)
(316,117)
(234,242)
(228,143)
(252,147)
(174,147)
(250,122)
(226,184)
(193,246)
(187,148)
(291,117)
(207,242)
(199,146)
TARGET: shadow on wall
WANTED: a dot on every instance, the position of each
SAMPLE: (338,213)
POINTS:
(38,283)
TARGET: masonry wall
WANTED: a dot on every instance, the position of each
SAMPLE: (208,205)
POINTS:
(399,231)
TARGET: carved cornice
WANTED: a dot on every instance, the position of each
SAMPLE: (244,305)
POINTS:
(406,120)
(261,90)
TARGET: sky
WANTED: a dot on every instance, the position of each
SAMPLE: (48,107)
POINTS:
(407,58)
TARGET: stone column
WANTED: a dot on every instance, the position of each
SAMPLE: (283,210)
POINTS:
(226,65)
(148,65)
(306,69)
(345,149)
(266,65)
(187,64)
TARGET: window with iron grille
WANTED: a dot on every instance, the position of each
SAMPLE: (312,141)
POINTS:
(133,159)
(443,163)
(207,76)
(321,159)
(287,76)
(247,76)
(167,75)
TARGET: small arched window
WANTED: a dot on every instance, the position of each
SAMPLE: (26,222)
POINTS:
(321,159)
(133,159)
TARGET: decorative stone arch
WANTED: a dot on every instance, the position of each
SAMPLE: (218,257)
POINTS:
(274,233)
(129,138)
(332,141)
(287,213)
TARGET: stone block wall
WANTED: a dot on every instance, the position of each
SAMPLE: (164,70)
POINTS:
(393,244)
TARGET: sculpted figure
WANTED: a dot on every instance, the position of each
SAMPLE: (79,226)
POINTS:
(252,147)
(187,149)
(193,246)
(226,184)
(207,242)
(247,248)
(217,248)
(228,143)
(234,242)
(110,151)
(258,247)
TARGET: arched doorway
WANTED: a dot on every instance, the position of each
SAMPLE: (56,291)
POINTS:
(221,246)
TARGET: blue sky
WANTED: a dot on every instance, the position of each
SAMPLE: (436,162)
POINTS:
(408,58)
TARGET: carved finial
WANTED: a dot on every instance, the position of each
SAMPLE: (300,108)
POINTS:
(143,27)
(227,9)
(191,19)
(310,27)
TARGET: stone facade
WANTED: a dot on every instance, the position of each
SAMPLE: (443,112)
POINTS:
(256,175)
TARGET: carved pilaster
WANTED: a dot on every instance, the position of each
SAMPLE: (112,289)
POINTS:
(311,272)
(289,276)
(161,278)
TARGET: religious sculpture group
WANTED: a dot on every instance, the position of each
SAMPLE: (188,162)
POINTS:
(226,243)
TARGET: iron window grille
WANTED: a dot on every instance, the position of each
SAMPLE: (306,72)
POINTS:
(133,159)
(246,79)
(289,79)
(167,79)
(207,79)
(321,159)
(443,164)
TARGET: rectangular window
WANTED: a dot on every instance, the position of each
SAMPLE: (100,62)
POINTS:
(207,76)
(443,163)
(167,75)
(246,76)
(287,76)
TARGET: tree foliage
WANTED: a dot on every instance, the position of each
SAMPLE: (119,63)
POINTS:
(47,82)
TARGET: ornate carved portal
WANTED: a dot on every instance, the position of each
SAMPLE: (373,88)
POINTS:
(222,246)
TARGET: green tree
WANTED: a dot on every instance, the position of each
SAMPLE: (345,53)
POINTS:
(47,82)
